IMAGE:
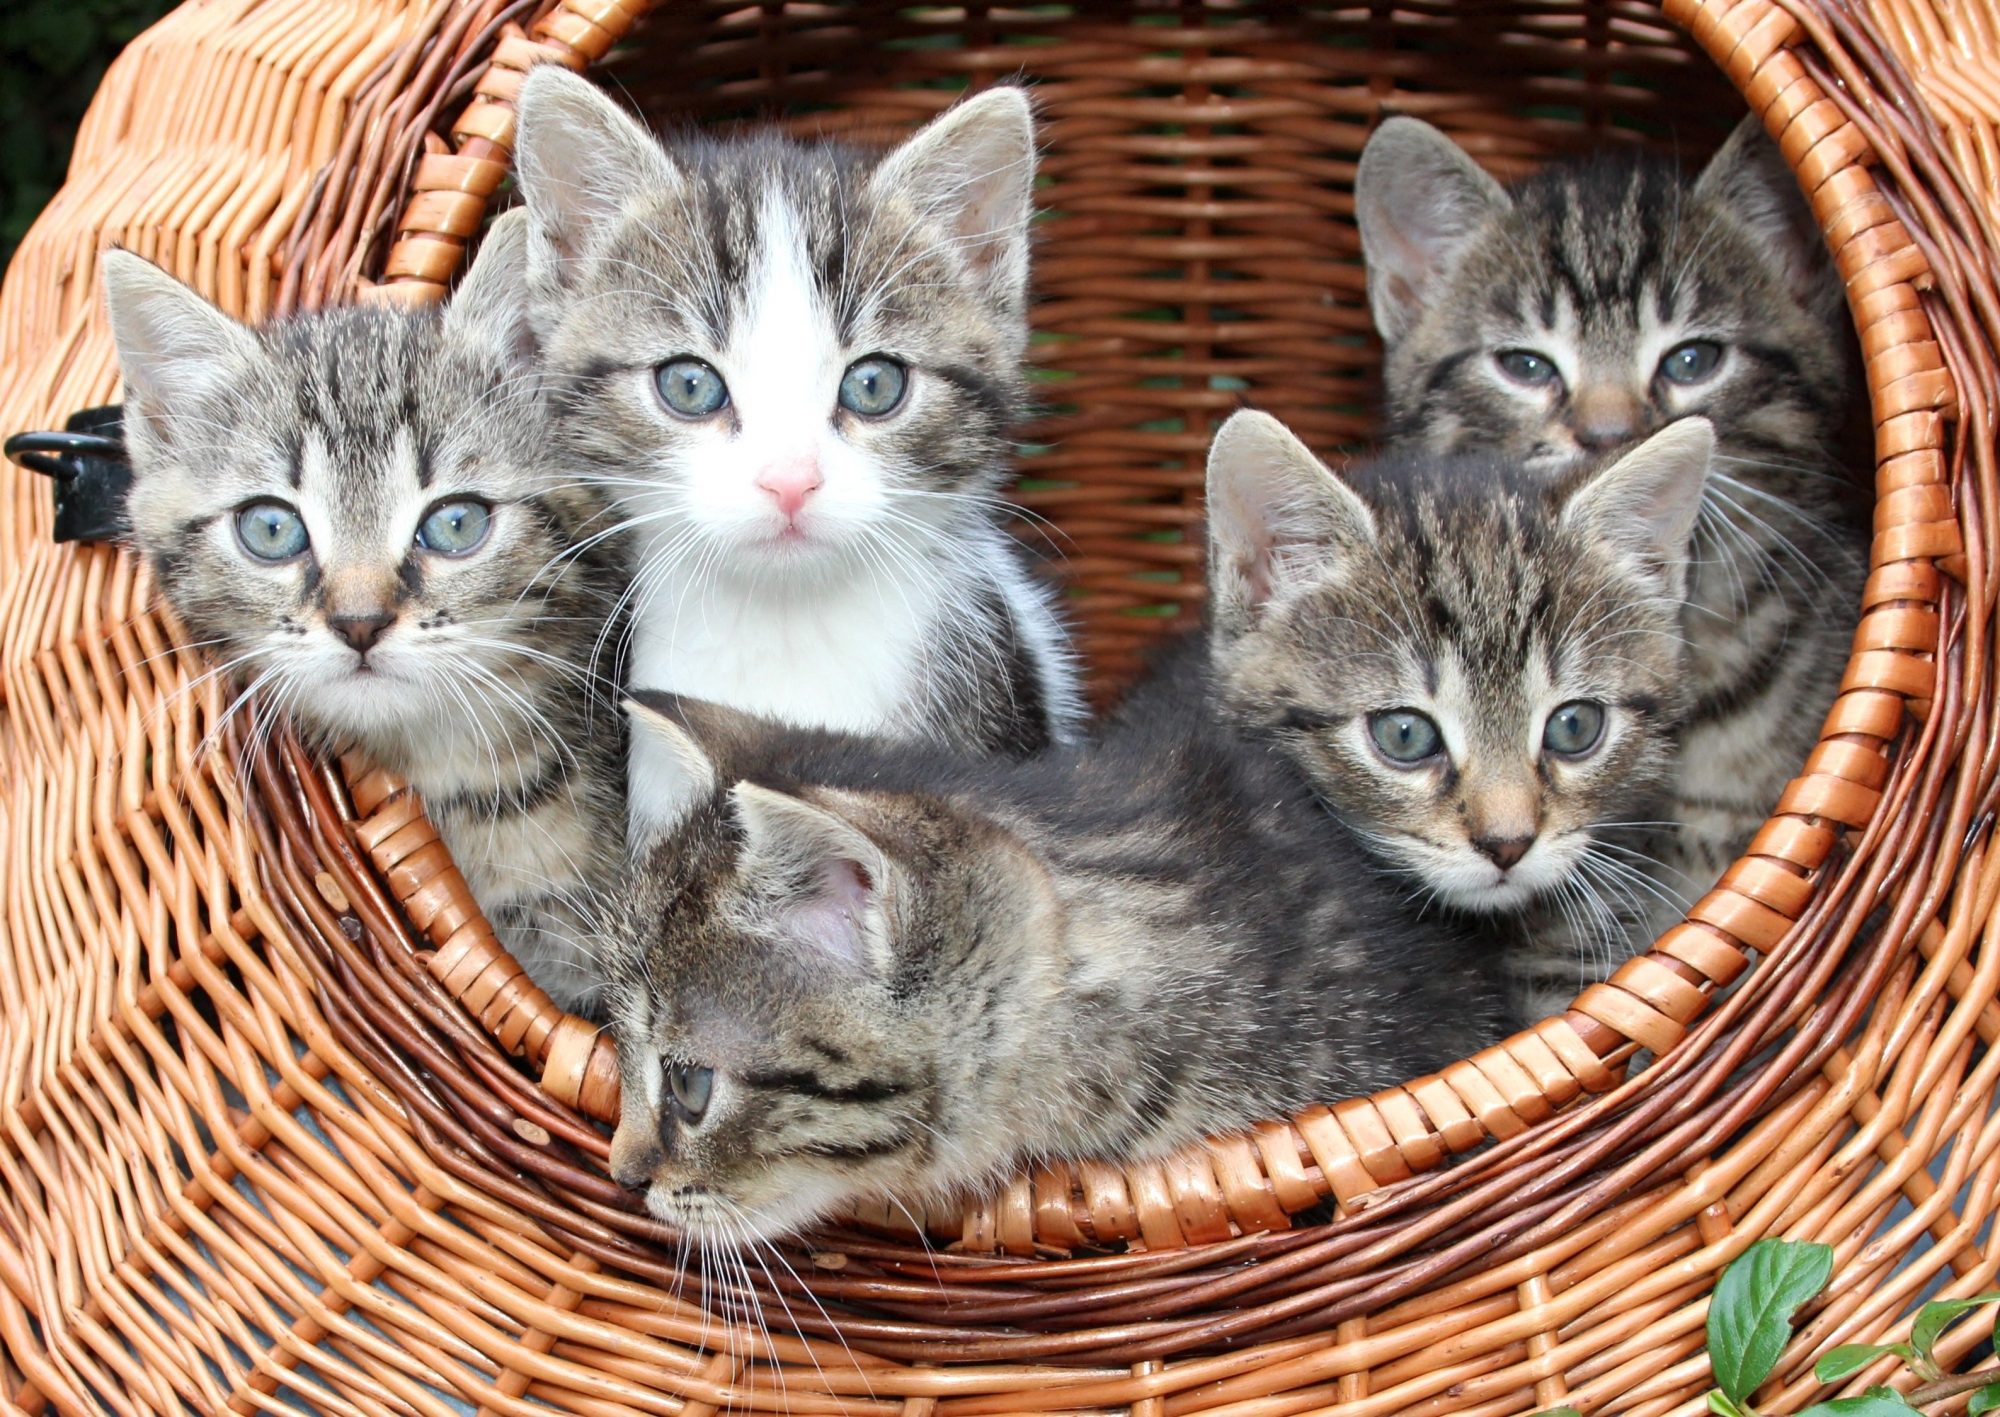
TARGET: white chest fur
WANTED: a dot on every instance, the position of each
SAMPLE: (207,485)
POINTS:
(845,654)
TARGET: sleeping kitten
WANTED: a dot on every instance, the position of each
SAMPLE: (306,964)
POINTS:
(793,368)
(1591,304)
(355,510)
(1479,669)
(847,968)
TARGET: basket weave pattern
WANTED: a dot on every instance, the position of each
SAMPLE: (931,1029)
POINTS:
(259,1129)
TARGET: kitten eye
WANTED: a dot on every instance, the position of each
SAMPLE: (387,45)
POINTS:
(455,528)
(688,1088)
(1692,362)
(1405,736)
(873,387)
(1524,366)
(1574,729)
(271,531)
(691,387)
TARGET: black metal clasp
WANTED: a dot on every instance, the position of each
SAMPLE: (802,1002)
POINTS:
(91,473)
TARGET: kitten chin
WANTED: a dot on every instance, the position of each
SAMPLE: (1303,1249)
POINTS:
(1568,315)
(1479,671)
(352,511)
(792,367)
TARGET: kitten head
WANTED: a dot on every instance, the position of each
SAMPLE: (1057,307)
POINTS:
(787,357)
(1598,301)
(1478,669)
(788,990)
(351,508)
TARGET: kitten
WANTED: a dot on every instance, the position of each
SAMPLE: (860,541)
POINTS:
(1591,304)
(1479,669)
(850,968)
(793,369)
(355,509)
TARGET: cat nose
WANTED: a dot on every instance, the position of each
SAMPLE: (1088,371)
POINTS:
(790,483)
(1603,419)
(633,1166)
(1503,851)
(361,629)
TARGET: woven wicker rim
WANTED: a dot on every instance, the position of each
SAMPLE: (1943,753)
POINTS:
(1348,1152)
(367,1192)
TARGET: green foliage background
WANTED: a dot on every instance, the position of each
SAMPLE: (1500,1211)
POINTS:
(52,54)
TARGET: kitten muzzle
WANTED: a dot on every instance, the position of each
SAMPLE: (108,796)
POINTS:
(1503,851)
(1602,418)
(361,629)
(790,483)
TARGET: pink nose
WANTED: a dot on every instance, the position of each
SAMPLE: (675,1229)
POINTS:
(790,483)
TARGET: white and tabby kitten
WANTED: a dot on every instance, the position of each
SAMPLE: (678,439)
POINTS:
(1579,310)
(1479,669)
(793,368)
(357,511)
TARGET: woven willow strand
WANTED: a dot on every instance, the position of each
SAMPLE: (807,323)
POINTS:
(257,1137)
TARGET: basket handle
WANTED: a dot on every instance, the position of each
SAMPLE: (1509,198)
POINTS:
(1350,1151)
(451,191)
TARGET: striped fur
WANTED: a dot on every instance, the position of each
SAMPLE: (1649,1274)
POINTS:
(1604,270)
(908,972)
(891,600)
(477,689)
(1489,601)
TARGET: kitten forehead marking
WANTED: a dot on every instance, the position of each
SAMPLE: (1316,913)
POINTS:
(880,592)
(1605,266)
(1485,599)
(477,686)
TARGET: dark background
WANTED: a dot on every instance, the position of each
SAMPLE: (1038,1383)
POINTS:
(52,53)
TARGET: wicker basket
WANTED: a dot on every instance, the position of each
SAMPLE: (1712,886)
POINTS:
(261,1136)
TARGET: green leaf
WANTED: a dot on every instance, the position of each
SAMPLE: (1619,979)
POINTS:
(1721,1406)
(1560,1412)
(1985,1400)
(1860,1407)
(1750,1317)
(1935,1317)
(1850,1358)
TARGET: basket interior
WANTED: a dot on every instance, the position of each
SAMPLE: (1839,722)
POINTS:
(1197,249)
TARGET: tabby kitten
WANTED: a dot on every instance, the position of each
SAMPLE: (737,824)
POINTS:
(849,968)
(792,368)
(1479,669)
(1597,301)
(356,510)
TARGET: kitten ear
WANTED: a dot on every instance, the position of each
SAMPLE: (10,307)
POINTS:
(827,871)
(172,344)
(668,773)
(580,160)
(1419,199)
(974,169)
(1269,498)
(489,309)
(1646,503)
(1748,178)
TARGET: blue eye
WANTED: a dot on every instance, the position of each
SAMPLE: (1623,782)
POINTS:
(455,528)
(873,386)
(1405,736)
(1574,729)
(691,387)
(270,531)
(1692,362)
(689,1088)
(1525,366)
